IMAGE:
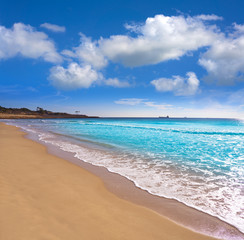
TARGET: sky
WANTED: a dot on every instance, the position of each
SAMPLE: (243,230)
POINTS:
(124,58)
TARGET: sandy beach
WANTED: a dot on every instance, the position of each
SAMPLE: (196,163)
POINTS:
(46,197)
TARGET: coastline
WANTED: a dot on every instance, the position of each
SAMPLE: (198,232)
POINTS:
(179,212)
(158,221)
(39,116)
(174,210)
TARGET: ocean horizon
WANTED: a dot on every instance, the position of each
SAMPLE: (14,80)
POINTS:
(197,161)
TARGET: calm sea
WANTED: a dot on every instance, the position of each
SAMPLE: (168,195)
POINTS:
(199,162)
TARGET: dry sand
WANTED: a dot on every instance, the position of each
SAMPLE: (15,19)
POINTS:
(46,197)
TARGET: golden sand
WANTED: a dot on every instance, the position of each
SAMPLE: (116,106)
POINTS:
(46,197)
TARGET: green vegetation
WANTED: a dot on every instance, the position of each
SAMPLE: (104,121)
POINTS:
(15,110)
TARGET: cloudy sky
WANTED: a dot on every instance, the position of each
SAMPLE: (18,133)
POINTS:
(124,58)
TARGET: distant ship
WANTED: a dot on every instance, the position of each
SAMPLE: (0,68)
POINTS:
(163,117)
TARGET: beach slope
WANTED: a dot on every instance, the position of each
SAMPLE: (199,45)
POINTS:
(45,197)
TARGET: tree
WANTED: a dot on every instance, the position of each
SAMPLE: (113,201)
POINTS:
(40,110)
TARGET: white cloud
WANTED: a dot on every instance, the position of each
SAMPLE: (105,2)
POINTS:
(88,52)
(130,101)
(224,60)
(69,53)
(158,39)
(161,38)
(53,27)
(239,28)
(209,17)
(115,82)
(178,85)
(73,77)
(24,40)
(81,76)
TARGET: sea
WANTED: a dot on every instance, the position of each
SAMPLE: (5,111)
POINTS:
(199,162)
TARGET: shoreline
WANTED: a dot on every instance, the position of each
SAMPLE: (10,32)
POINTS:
(176,211)
(143,198)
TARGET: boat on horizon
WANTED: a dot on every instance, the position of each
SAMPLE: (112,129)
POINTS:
(163,117)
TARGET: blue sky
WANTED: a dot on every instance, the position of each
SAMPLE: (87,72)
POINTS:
(124,58)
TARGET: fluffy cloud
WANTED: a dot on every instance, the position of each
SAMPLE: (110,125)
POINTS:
(224,60)
(161,38)
(73,77)
(81,76)
(53,27)
(24,40)
(238,28)
(158,39)
(88,52)
(178,85)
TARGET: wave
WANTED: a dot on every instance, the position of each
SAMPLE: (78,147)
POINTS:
(193,131)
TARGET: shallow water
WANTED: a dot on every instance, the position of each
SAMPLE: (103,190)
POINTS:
(199,162)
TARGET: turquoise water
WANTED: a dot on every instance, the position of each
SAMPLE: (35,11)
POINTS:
(199,162)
